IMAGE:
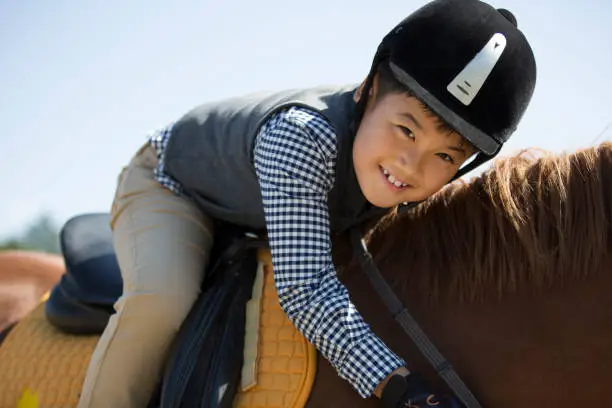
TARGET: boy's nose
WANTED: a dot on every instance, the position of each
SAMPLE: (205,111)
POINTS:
(410,162)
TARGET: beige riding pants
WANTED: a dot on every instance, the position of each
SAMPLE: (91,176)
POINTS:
(162,243)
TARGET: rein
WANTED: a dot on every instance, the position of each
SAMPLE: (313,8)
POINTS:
(410,326)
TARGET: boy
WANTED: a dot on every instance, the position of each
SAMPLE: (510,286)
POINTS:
(448,84)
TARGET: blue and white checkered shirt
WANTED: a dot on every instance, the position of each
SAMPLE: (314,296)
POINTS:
(295,159)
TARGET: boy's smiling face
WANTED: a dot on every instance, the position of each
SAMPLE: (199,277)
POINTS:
(400,153)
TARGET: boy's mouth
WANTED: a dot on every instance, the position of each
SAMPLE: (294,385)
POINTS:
(392,179)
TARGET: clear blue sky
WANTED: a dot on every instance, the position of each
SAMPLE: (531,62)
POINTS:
(81,82)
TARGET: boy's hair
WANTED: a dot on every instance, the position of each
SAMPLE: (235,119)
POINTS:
(388,84)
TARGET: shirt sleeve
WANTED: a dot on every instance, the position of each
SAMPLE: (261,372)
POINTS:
(295,155)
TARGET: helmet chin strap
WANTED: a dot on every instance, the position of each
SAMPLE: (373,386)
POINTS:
(480,158)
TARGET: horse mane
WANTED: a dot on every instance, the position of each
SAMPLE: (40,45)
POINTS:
(531,219)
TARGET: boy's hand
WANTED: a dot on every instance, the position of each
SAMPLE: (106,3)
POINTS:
(399,371)
(400,391)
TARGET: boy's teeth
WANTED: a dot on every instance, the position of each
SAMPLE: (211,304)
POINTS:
(392,179)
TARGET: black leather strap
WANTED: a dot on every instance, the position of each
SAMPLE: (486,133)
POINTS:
(403,317)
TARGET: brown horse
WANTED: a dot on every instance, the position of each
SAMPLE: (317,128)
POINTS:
(25,276)
(510,275)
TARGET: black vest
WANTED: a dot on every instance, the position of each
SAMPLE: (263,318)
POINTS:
(210,152)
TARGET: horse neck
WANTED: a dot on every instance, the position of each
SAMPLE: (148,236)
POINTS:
(533,344)
(525,221)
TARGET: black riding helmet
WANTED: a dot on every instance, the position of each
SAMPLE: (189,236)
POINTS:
(469,63)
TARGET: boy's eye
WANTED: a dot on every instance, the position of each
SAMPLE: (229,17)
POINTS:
(446,157)
(407,132)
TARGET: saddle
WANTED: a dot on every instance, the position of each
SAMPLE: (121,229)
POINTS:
(82,302)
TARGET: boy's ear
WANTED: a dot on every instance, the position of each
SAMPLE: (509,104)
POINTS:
(359,91)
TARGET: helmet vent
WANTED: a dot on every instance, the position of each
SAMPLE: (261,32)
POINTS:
(466,85)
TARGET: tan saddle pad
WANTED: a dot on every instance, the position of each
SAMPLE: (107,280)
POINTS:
(42,367)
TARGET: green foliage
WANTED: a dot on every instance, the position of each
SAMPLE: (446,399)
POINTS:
(42,234)
(12,244)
